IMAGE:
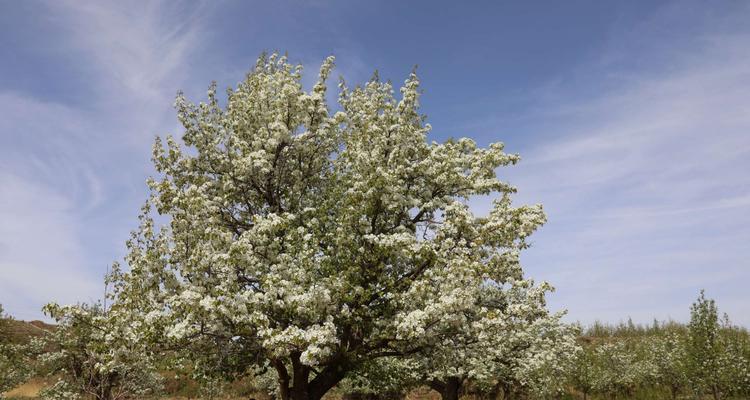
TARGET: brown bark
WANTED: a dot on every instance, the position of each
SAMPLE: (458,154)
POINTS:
(300,379)
(507,391)
(327,379)
(448,389)
(494,392)
(283,379)
(298,386)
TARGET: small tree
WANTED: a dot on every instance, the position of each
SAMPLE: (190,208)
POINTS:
(551,358)
(620,369)
(95,354)
(704,349)
(582,375)
(3,325)
(388,378)
(489,348)
(14,363)
(511,344)
(734,359)
(668,354)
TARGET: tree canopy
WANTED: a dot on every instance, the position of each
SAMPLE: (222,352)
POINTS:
(311,242)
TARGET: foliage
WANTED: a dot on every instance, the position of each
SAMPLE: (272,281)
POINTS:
(550,359)
(93,354)
(512,343)
(703,346)
(667,353)
(383,378)
(14,365)
(583,374)
(317,243)
(734,360)
(665,360)
(619,370)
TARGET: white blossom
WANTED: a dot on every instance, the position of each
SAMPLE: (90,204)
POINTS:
(307,239)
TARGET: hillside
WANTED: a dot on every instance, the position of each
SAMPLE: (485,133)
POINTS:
(23,331)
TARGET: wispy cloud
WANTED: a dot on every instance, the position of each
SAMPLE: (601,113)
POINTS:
(40,254)
(140,55)
(66,165)
(646,184)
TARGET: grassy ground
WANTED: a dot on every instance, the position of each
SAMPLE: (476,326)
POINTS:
(29,389)
(23,331)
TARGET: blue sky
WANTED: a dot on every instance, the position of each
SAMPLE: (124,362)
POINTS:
(632,119)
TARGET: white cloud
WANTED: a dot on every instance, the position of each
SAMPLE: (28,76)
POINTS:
(136,49)
(647,188)
(40,254)
(68,170)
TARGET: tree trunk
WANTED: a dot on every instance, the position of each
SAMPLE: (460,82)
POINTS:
(448,389)
(300,379)
(106,392)
(327,379)
(494,393)
(103,386)
(716,392)
(674,390)
(298,385)
(585,395)
(507,391)
(283,378)
(452,388)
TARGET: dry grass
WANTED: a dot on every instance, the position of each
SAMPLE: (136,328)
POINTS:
(23,331)
(29,389)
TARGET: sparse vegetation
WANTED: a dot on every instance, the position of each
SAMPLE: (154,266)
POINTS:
(662,361)
(14,365)
(626,361)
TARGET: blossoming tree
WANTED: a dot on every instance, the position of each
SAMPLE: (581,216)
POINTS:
(509,343)
(704,347)
(14,366)
(387,378)
(313,241)
(667,352)
(620,369)
(93,353)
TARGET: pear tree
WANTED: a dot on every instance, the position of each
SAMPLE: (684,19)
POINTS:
(312,239)
(510,343)
(92,353)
